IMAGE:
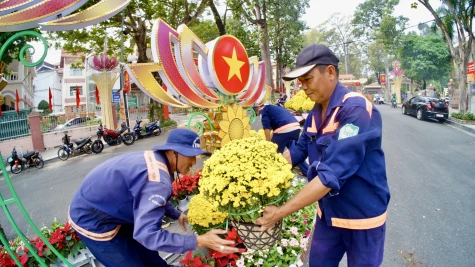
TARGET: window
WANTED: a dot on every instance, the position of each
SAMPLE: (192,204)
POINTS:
(75,72)
(82,108)
(72,109)
(72,90)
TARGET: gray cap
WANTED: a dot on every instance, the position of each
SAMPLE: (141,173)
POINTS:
(310,57)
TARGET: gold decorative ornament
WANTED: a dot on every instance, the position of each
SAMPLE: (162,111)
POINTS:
(235,124)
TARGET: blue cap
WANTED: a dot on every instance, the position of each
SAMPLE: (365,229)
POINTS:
(184,142)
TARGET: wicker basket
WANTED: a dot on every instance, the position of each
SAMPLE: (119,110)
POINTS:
(253,238)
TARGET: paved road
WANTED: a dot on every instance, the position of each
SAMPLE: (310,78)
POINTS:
(431,172)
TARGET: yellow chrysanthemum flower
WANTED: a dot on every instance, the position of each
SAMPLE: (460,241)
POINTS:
(235,124)
(204,213)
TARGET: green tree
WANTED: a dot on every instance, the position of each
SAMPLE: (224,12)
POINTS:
(455,21)
(247,33)
(369,15)
(284,18)
(44,106)
(425,58)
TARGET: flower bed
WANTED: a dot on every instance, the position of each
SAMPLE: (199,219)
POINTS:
(61,236)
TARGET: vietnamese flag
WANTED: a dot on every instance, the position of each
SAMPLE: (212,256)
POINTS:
(17,100)
(78,99)
(50,98)
(98,100)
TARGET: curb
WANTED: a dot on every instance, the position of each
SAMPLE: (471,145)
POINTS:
(460,126)
(54,159)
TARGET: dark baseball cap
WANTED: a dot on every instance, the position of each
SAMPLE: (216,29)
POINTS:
(310,57)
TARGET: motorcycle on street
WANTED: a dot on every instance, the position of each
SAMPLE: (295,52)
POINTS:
(112,137)
(18,164)
(82,146)
(151,129)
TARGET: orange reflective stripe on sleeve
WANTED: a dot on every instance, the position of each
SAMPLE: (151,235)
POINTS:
(313,128)
(360,224)
(94,236)
(153,173)
(369,105)
(332,125)
(319,211)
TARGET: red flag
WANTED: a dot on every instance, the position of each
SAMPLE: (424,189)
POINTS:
(17,100)
(50,97)
(78,99)
(98,100)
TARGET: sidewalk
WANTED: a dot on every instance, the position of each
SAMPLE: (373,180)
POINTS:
(466,127)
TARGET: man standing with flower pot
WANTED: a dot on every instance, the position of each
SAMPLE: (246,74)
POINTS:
(118,209)
(285,126)
(342,139)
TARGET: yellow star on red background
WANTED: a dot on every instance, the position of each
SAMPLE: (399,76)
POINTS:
(235,65)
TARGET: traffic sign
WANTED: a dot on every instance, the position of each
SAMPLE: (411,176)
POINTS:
(115,96)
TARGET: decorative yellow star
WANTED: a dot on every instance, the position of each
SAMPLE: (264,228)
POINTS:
(235,65)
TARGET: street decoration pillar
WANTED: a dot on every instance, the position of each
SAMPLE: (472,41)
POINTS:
(398,77)
(34,120)
(105,78)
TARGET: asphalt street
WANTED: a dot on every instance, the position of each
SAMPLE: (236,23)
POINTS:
(430,169)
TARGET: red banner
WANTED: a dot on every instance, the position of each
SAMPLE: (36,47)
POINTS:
(382,78)
(17,100)
(98,100)
(471,68)
(126,82)
(78,98)
(50,98)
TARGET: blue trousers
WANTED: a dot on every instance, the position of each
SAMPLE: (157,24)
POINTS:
(364,248)
(283,139)
(123,251)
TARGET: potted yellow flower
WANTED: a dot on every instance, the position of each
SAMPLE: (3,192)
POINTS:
(204,215)
(241,179)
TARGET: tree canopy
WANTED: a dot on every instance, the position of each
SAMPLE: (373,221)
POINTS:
(425,58)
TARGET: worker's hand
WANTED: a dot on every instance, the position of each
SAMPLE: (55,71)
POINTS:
(287,157)
(183,221)
(269,218)
(212,241)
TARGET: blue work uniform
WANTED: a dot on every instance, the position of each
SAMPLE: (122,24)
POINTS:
(344,149)
(285,126)
(118,211)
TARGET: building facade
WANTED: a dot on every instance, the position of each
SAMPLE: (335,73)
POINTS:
(21,79)
(49,76)
(73,78)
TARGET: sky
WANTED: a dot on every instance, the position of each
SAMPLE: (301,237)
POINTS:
(318,12)
(322,10)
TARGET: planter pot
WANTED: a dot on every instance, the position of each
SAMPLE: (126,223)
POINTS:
(183,204)
(84,257)
(253,238)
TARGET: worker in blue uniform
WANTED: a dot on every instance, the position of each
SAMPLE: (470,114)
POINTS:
(118,208)
(285,128)
(342,138)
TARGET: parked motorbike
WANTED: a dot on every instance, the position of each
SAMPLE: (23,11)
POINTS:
(82,146)
(151,129)
(112,137)
(18,164)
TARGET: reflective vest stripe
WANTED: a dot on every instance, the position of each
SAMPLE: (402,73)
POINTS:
(94,236)
(153,172)
(332,125)
(369,105)
(357,224)
(295,125)
(312,129)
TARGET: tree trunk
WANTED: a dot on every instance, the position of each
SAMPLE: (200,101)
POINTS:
(219,22)
(265,51)
(423,84)
(140,38)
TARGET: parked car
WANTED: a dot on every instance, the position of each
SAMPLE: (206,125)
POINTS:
(76,122)
(424,107)
(379,99)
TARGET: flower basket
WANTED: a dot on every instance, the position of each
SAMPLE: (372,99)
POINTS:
(253,238)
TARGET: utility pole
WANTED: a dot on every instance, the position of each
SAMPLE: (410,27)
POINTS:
(126,109)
